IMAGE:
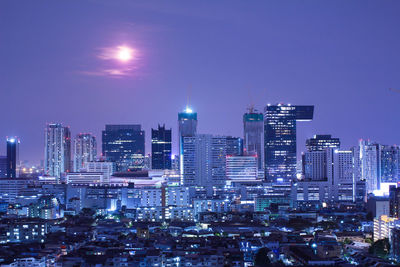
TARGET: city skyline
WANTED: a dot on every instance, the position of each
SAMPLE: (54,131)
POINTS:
(299,53)
(199,133)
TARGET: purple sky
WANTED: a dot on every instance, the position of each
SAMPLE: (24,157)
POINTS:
(341,56)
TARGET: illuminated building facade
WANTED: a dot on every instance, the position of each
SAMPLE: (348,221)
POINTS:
(85,150)
(12,156)
(367,164)
(204,160)
(390,164)
(124,145)
(105,167)
(241,168)
(253,132)
(57,158)
(328,179)
(383,226)
(280,140)
(322,142)
(161,146)
(187,125)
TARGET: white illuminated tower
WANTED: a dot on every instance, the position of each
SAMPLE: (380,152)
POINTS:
(85,150)
(57,157)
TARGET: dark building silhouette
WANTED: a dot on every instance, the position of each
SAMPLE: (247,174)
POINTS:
(3,166)
(124,145)
(12,156)
(234,146)
(394,201)
(161,148)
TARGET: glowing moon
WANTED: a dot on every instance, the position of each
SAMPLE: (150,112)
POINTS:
(124,53)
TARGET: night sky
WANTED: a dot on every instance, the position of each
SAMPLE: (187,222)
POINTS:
(220,56)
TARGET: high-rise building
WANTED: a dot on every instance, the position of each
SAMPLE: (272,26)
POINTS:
(161,145)
(234,146)
(187,125)
(389,165)
(280,140)
(367,164)
(322,142)
(124,145)
(394,201)
(3,166)
(85,149)
(253,136)
(57,158)
(203,160)
(241,168)
(12,156)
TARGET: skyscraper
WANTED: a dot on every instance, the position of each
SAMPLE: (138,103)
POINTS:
(204,160)
(280,140)
(389,165)
(253,136)
(161,148)
(322,142)
(12,156)
(124,145)
(367,164)
(187,125)
(85,150)
(57,158)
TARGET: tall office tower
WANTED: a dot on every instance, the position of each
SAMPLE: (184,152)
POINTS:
(85,149)
(57,157)
(253,133)
(124,145)
(161,148)
(280,140)
(389,165)
(234,146)
(203,160)
(187,125)
(322,142)
(367,165)
(343,175)
(241,168)
(3,166)
(12,156)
